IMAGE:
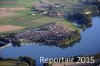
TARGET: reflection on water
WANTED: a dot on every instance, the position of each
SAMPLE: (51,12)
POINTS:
(63,45)
(50,45)
(7,45)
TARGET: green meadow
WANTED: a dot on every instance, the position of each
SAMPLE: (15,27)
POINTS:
(16,3)
(25,18)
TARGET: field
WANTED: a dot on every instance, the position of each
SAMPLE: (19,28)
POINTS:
(10,11)
(21,15)
(71,64)
(12,63)
(5,13)
(5,28)
(16,3)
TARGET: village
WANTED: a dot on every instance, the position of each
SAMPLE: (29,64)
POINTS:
(36,27)
(61,10)
(50,33)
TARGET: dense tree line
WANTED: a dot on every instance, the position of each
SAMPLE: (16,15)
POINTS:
(28,60)
(20,60)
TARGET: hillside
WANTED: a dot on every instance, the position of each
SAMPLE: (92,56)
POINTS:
(12,63)
(64,1)
(16,3)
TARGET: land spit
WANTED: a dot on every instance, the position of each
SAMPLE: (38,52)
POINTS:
(49,33)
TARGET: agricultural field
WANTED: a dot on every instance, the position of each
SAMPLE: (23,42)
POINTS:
(27,20)
(19,13)
(16,3)
(12,63)
(5,28)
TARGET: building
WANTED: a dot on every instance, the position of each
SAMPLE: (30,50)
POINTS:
(55,14)
(90,1)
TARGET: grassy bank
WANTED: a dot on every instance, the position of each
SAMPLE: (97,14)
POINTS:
(16,3)
(25,18)
(12,63)
(20,61)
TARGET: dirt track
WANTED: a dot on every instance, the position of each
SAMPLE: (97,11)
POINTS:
(5,13)
(3,2)
(5,28)
(10,11)
(13,9)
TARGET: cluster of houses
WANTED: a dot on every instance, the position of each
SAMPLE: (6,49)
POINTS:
(49,9)
(53,9)
(48,33)
(52,12)
(55,14)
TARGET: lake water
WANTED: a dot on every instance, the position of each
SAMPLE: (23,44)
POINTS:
(88,45)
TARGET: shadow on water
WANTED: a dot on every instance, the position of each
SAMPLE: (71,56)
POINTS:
(3,41)
(63,46)
(81,20)
(87,22)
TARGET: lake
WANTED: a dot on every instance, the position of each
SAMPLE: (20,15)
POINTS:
(88,45)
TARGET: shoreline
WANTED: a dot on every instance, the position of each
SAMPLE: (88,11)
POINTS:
(50,33)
